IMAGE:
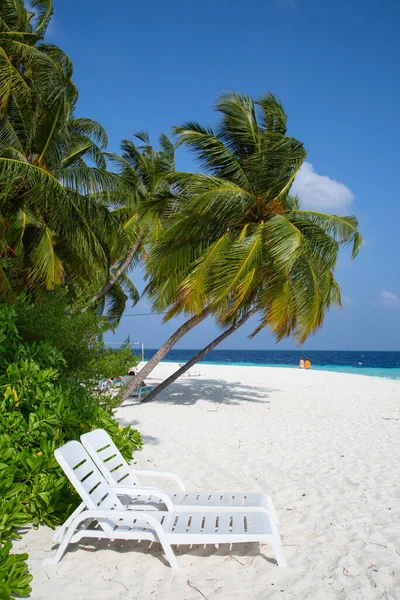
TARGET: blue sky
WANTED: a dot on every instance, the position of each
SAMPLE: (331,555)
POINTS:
(334,65)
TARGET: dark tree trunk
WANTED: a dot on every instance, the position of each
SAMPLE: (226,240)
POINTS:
(117,273)
(198,356)
(159,355)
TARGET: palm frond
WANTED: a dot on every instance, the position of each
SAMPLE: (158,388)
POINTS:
(169,151)
(273,117)
(343,229)
(115,304)
(129,289)
(230,270)
(143,136)
(211,153)
(238,128)
(47,268)
(8,136)
(43,12)
(89,128)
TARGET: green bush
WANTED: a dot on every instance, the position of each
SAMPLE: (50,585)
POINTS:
(41,408)
(56,317)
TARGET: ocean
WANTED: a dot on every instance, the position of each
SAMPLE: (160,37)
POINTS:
(378,364)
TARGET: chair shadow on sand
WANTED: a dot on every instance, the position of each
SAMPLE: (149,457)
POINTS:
(154,550)
(187,392)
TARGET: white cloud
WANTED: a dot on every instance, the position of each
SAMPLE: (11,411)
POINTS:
(319,192)
(388,300)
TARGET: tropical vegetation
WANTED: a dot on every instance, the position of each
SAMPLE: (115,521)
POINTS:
(59,243)
(41,408)
(237,243)
(228,242)
(54,185)
(145,201)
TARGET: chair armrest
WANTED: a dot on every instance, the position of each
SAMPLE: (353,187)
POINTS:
(140,515)
(165,475)
(134,490)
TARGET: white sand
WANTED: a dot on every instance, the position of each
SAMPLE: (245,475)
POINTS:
(325,447)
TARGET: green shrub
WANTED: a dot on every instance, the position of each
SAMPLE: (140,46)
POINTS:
(41,408)
(56,317)
(108,362)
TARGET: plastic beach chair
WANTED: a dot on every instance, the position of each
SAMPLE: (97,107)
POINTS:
(140,390)
(137,393)
(105,516)
(190,372)
(116,470)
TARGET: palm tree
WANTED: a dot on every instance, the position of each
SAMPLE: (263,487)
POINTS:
(245,236)
(145,215)
(238,241)
(53,200)
(140,212)
(54,186)
(200,355)
(30,69)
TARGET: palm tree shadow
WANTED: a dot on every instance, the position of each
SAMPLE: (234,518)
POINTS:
(187,392)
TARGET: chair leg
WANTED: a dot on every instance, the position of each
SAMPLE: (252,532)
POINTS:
(272,511)
(53,560)
(169,553)
(59,533)
(278,551)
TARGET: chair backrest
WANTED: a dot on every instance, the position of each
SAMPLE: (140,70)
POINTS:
(86,477)
(108,458)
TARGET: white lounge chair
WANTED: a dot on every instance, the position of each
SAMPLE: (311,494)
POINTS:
(137,393)
(113,520)
(117,471)
(190,372)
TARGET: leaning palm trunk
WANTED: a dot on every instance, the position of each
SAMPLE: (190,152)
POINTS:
(199,356)
(159,355)
(107,286)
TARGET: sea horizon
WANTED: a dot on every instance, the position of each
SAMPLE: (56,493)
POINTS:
(376,363)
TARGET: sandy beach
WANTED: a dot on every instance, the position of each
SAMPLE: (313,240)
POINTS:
(325,446)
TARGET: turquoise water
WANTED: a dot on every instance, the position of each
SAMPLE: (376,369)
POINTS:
(370,371)
(376,364)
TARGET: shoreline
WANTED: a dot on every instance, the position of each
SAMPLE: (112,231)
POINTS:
(318,368)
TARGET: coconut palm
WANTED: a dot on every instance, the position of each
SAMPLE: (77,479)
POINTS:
(237,240)
(55,190)
(30,70)
(140,211)
(244,236)
(52,199)
(145,215)
(54,185)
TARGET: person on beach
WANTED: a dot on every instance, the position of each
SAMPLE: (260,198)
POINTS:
(301,363)
(307,364)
